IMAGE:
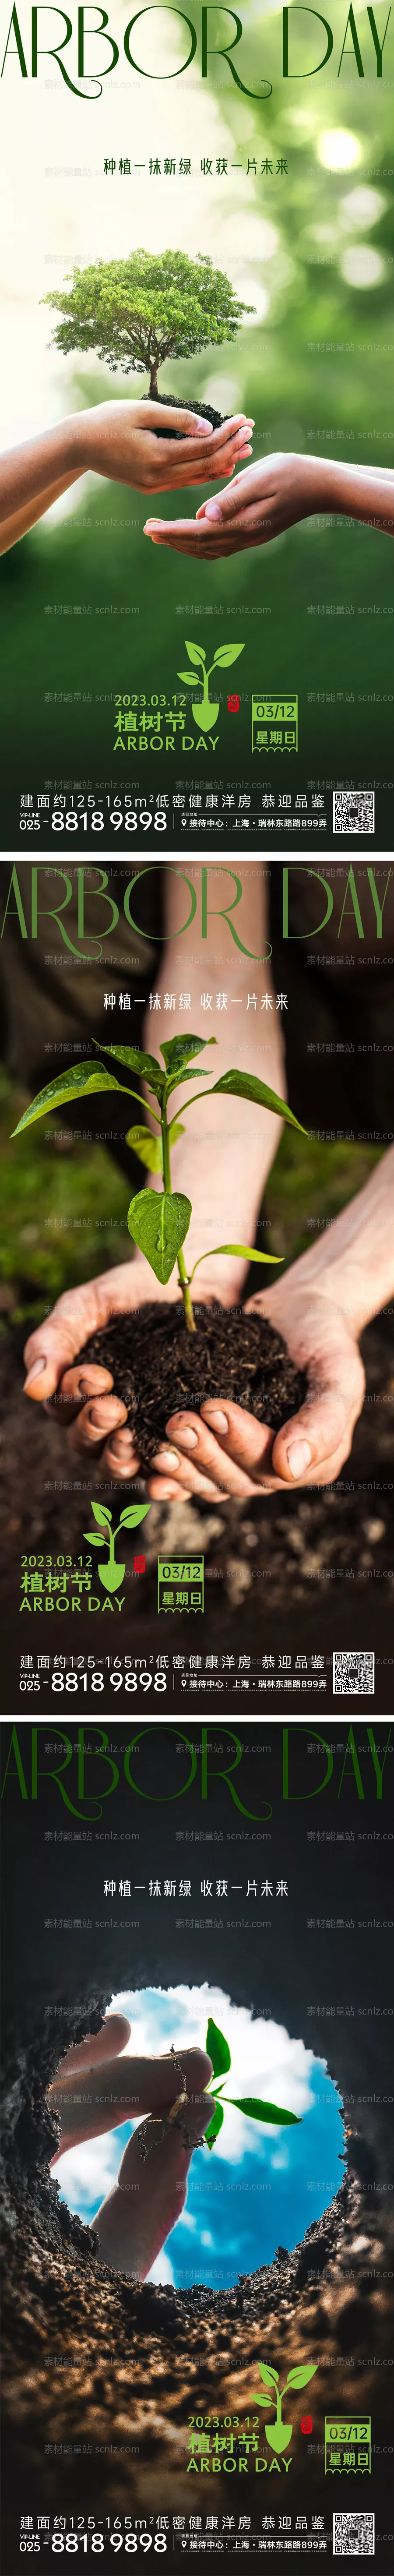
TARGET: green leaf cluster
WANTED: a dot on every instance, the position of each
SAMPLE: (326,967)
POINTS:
(158,1221)
(218,2049)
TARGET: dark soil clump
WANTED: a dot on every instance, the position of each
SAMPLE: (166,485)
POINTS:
(175,402)
(158,1368)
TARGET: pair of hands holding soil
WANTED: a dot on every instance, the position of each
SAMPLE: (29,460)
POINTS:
(95,2089)
(212,1448)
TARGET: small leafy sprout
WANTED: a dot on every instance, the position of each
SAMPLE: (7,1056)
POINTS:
(206,710)
(278,2435)
(111,1574)
(218,2049)
(159,1220)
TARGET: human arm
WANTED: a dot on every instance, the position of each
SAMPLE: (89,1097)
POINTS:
(268,498)
(118,440)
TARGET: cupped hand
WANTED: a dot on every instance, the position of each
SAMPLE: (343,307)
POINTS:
(96,2088)
(262,502)
(120,440)
(225,1447)
(94,1418)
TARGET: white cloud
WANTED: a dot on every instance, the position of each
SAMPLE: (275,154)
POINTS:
(161,2269)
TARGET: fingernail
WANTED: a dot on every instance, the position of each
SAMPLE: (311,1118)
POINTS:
(217,1421)
(125,1438)
(299,1457)
(188,1438)
(35,1371)
(203,427)
(95,1417)
(166,1458)
(166,1494)
(85,1385)
(212,510)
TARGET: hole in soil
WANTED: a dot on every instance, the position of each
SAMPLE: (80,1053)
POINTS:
(261,2186)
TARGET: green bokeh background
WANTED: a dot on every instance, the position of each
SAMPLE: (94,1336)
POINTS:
(298,396)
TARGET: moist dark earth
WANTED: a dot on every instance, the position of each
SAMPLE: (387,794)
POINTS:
(159,1368)
(176,402)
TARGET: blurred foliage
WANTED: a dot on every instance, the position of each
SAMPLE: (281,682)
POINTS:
(51,1197)
(310,1183)
(54,1237)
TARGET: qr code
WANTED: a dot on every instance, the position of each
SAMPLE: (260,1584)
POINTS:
(353,1675)
(354,811)
(353,2535)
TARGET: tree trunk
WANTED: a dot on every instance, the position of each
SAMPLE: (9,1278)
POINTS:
(153,389)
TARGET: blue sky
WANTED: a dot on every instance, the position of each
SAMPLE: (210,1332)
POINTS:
(261,2186)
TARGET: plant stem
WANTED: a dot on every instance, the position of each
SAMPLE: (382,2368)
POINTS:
(185,1286)
(182,1272)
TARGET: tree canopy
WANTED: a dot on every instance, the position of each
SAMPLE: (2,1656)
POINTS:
(138,311)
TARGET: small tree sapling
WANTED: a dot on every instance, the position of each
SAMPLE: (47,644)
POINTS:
(159,1220)
(138,311)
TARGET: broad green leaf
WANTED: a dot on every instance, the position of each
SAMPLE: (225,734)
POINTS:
(260,2400)
(194,653)
(245,1248)
(95,1537)
(147,1148)
(187,1072)
(267,2372)
(215,2125)
(158,1222)
(255,2110)
(217,2049)
(100,1514)
(137,1062)
(187,675)
(300,2378)
(227,653)
(73,1085)
(248,1087)
(178,1050)
(134,1512)
(132,1057)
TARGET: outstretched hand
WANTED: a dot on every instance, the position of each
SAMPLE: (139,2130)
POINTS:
(262,502)
(97,2087)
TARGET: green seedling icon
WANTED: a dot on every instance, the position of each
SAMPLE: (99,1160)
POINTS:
(205,710)
(110,1574)
(278,2435)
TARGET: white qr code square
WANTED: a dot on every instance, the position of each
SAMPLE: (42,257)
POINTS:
(353,2535)
(353,812)
(353,1673)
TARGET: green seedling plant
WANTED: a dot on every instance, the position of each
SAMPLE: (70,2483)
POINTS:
(159,1220)
(206,709)
(218,2049)
(278,2435)
(112,1575)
